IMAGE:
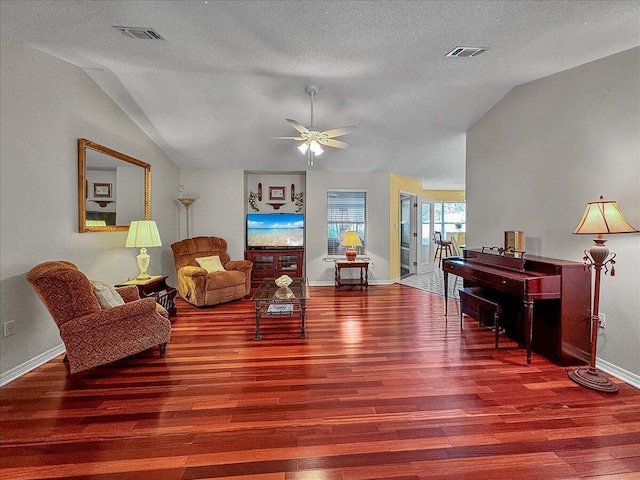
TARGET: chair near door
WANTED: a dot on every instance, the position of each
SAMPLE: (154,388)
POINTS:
(456,253)
(443,248)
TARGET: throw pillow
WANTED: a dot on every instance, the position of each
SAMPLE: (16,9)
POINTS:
(107,296)
(211,264)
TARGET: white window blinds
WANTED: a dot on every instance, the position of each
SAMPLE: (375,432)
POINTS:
(346,210)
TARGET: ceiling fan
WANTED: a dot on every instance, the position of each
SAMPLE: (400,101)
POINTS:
(311,138)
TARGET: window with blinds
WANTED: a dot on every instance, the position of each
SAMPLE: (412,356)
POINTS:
(346,210)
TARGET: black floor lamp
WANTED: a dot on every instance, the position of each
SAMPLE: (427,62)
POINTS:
(601,217)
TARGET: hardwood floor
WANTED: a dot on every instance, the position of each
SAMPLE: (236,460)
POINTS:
(382,388)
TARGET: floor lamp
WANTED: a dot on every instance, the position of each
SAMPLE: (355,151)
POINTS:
(187,203)
(601,217)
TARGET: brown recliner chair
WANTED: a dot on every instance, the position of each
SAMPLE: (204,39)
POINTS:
(94,335)
(201,288)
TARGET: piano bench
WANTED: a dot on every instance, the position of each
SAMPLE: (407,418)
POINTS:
(480,303)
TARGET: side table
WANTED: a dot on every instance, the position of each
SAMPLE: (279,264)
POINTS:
(362,282)
(156,286)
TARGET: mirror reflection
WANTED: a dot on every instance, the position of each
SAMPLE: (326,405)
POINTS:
(113,188)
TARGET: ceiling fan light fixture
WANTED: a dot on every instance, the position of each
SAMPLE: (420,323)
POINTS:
(315,148)
(303,148)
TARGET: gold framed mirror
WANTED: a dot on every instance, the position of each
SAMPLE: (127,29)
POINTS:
(113,189)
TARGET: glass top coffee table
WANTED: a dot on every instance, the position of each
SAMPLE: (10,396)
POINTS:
(276,302)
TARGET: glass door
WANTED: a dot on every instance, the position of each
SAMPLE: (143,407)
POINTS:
(425,247)
(406,267)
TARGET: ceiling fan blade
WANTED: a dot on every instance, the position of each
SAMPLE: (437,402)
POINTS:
(334,143)
(297,126)
(287,138)
(336,132)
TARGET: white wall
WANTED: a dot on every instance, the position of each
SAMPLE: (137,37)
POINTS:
(543,152)
(268,180)
(219,209)
(102,176)
(222,201)
(319,271)
(46,105)
(129,197)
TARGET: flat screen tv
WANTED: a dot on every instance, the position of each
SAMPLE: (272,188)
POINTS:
(275,230)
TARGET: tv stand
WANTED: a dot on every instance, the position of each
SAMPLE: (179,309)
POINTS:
(272,263)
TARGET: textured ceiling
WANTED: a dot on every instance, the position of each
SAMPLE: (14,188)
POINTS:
(229,73)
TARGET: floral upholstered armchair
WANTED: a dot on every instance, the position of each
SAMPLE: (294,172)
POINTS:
(97,324)
(206,274)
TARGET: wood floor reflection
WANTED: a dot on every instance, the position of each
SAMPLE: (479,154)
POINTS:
(382,388)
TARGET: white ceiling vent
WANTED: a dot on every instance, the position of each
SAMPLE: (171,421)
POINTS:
(140,33)
(466,52)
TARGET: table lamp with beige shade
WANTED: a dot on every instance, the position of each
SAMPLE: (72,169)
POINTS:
(143,234)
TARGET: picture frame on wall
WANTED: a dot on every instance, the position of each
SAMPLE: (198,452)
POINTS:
(276,193)
(102,190)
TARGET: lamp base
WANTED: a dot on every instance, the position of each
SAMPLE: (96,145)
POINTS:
(143,263)
(351,254)
(591,378)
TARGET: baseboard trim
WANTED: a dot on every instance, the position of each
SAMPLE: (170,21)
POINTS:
(628,377)
(16,372)
(331,283)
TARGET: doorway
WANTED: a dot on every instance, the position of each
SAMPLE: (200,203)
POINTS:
(406,263)
(424,229)
(416,227)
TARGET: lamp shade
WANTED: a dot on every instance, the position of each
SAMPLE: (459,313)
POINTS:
(186,202)
(351,239)
(96,223)
(603,216)
(143,233)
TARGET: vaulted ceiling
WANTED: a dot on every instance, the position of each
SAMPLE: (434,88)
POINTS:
(228,73)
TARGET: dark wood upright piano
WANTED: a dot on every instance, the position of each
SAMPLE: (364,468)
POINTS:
(546,301)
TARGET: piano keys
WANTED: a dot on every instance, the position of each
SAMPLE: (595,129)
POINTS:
(548,300)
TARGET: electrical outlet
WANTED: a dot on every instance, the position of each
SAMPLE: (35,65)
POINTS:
(602,320)
(7,328)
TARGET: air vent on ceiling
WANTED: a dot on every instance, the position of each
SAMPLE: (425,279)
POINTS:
(140,33)
(466,52)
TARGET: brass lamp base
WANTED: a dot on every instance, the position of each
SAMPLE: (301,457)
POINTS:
(591,378)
